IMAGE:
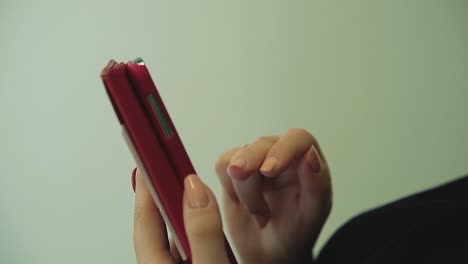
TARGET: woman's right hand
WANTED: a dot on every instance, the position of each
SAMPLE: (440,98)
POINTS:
(277,196)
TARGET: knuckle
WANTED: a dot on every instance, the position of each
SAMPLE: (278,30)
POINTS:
(275,150)
(138,213)
(204,226)
(266,139)
(299,131)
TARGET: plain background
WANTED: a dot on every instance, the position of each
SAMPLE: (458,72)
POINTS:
(382,84)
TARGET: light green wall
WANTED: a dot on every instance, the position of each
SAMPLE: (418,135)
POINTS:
(382,84)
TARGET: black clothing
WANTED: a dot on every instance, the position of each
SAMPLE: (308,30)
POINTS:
(428,227)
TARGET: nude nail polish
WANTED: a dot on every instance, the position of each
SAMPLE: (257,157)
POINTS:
(269,164)
(239,163)
(196,192)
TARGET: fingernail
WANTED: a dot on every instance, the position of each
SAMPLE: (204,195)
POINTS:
(235,169)
(133,179)
(196,192)
(313,159)
(269,164)
(239,163)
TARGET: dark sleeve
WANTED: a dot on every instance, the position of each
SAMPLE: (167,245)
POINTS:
(428,227)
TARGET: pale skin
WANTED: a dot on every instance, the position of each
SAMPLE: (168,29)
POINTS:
(276,193)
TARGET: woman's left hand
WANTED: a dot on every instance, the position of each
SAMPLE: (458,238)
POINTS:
(202,224)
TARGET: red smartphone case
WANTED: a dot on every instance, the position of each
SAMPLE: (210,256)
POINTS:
(154,142)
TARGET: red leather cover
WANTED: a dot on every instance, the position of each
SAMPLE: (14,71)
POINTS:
(144,86)
(164,157)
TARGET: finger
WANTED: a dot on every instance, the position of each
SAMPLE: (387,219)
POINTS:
(250,192)
(203,223)
(150,238)
(221,170)
(247,160)
(315,184)
(289,147)
(247,180)
(234,213)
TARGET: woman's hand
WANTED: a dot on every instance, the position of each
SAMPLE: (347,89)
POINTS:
(277,196)
(204,230)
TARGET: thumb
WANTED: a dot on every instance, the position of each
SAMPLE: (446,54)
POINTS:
(203,223)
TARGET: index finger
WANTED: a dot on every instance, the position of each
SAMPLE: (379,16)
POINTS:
(289,147)
(246,179)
